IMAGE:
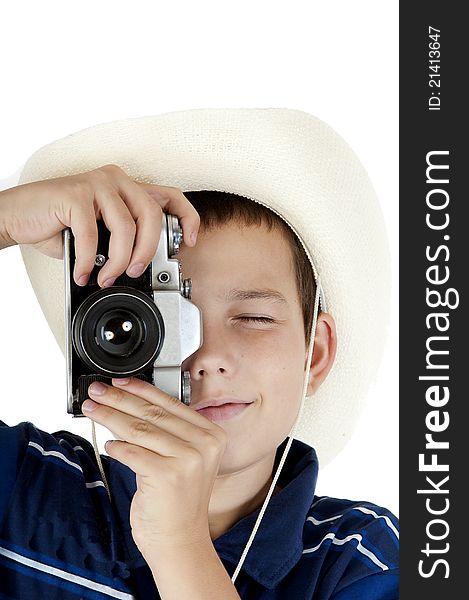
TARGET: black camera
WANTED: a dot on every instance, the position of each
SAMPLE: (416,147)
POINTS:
(139,327)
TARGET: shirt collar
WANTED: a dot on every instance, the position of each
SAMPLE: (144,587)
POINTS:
(278,543)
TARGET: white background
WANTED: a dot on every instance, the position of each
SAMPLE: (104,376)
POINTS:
(69,66)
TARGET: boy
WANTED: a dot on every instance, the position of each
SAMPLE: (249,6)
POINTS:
(186,483)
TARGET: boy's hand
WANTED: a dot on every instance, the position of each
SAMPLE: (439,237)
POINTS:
(36,213)
(175,453)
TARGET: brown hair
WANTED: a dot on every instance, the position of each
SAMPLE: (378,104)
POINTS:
(217,208)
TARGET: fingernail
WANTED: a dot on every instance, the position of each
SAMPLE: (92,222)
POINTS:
(89,405)
(97,388)
(83,279)
(193,237)
(109,282)
(120,380)
(136,270)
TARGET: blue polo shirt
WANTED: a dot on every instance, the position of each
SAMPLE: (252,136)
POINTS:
(62,539)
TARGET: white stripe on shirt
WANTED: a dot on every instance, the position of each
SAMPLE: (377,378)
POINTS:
(56,454)
(349,538)
(87,583)
(366,511)
(92,484)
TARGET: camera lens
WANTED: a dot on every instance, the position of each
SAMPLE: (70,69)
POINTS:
(118,331)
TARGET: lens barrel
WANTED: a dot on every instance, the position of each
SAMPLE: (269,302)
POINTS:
(117,331)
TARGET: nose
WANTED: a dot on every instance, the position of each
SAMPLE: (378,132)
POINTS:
(214,357)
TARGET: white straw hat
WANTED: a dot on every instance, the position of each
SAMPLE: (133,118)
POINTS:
(291,162)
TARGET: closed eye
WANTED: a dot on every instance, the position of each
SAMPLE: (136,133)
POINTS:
(257,319)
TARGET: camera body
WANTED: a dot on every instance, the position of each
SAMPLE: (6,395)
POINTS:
(141,327)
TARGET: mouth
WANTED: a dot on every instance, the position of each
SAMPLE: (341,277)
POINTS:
(224,411)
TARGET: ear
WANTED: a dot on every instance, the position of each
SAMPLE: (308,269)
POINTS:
(325,347)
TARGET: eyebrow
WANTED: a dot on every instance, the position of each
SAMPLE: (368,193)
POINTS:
(254,294)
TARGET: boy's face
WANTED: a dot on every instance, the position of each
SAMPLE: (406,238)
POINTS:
(253,361)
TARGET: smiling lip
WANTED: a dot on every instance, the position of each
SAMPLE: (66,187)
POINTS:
(220,402)
(223,412)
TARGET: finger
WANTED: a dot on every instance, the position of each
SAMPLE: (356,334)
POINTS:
(140,460)
(173,201)
(122,226)
(160,432)
(144,400)
(85,231)
(150,393)
(148,219)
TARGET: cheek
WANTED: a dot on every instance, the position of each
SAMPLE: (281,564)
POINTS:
(278,362)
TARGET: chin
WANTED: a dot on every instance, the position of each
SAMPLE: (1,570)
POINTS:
(241,454)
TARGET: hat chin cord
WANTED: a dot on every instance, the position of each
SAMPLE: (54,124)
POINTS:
(284,455)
